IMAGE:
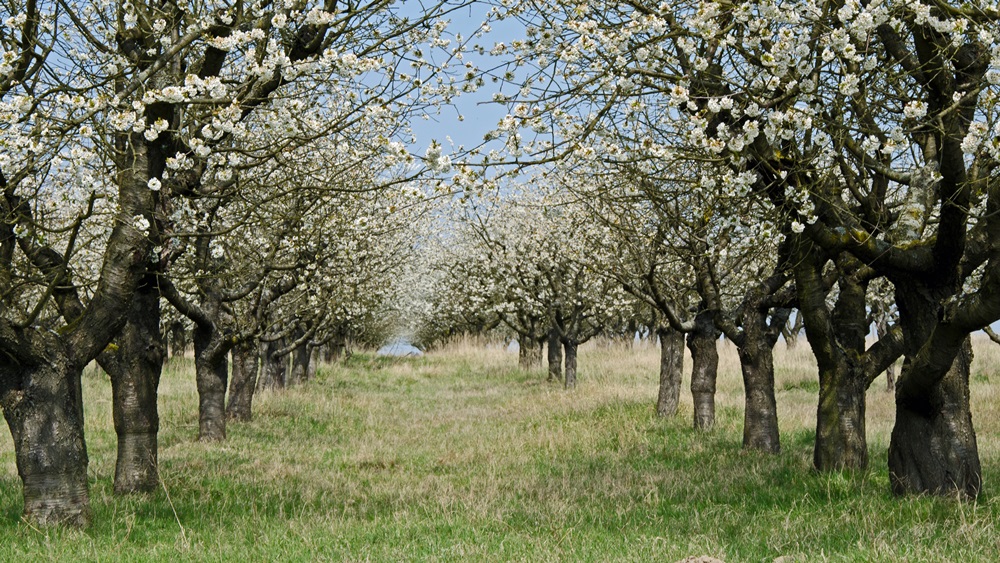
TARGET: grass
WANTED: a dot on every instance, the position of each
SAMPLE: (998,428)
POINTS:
(458,456)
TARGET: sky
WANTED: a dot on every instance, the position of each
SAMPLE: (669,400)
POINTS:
(480,114)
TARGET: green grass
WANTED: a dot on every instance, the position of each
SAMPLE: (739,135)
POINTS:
(458,456)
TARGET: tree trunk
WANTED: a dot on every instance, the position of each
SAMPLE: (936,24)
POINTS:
(178,339)
(933,444)
(313,363)
(671,370)
(273,368)
(44,411)
(244,380)
(703,343)
(571,348)
(760,416)
(300,359)
(529,354)
(211,374)
(841,442)
(555,356)
(135,370)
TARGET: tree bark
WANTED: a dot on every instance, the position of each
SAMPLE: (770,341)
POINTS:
(300,360)
(933,444)
(760,415)
(43,406)
(211,375)
(671,370)
(555,355)
(178,340)
(134,369)
(529,354)
(837,339)
(703,344)
(244,381)
(570,349)
(273,368)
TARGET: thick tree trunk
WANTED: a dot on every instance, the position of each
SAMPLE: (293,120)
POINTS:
(933,444)
(555,355)
(841,442)
(703,343)
(932,448)
(273,368)
(760,416)
(244,380)
(837,339)
(135,370)
(671,370)
(529,354)
(571,349)
(211,374)
(44,411)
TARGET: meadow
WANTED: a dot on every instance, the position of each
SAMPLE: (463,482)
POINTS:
(458,456)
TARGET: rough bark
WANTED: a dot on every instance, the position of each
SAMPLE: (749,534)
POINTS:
(245,356)
(570,350)
(760,415)
(671,370)
(933,444)
(555,355)
(273,367)
(837,339)
(134,369)
(703,344)
(211,375)
(43,406)
(300,360)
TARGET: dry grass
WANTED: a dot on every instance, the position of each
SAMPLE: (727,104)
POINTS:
(459,456)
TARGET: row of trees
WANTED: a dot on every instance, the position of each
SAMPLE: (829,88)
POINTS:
(751,158)
(241,161)
(695,168)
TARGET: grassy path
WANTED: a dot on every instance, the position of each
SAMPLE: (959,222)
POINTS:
(459,457)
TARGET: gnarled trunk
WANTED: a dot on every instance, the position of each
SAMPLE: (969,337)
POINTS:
(135,370)
(555,355)
(244,380)
(44,410)
(671,370)
(703,344)
(933,444)
(570,347)
(211,375)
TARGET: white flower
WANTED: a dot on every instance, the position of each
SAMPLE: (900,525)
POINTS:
(141,224)
(797,227)
(154,184)
(915,109)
